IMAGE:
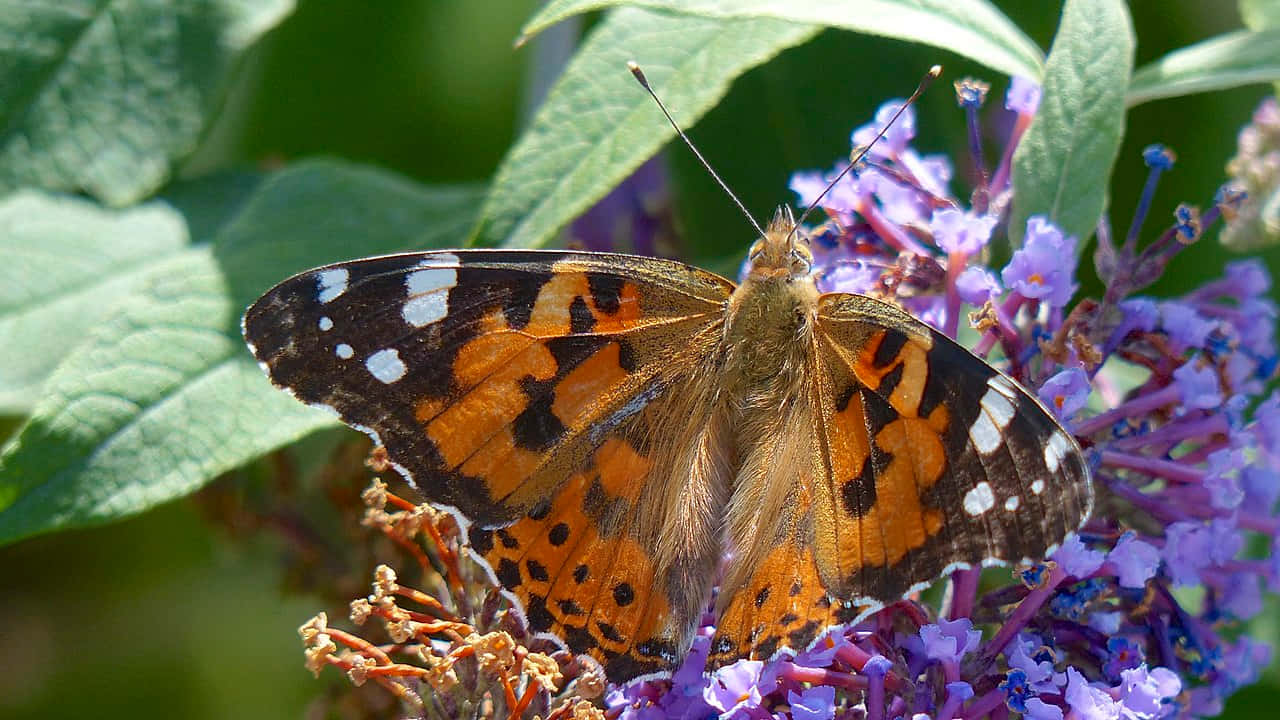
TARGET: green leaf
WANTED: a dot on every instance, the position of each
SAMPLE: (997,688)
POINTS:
(104,95)
(1226,61)
(70,261)
(973,28)
(597,125)
(1260,14)
(162,395)
(1063,164)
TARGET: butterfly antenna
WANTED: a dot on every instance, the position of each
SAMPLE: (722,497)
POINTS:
(925,81)
(644,83)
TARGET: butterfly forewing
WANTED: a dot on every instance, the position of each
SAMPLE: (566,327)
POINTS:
(957,464)
(536,392)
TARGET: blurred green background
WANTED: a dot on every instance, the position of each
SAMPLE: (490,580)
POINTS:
(190,611)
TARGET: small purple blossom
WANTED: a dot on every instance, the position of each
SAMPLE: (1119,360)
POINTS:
(956,231)
(1198,385)
(1089,702)
(815,703)
(1023,96)
(1066,393)
(897,137)
(734,687)
(950,640)
(1144,693)
(1135,561)
(977,286)
(1077,559)
(1184,325)
(1043,268)
(1037,709)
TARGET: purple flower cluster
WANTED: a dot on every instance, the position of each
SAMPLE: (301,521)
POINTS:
(1167,395)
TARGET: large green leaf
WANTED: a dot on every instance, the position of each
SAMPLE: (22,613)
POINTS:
(162,395)
(104,95)
(1063,164)
(70,261)
(597,125)
(1226,61)
(973,28)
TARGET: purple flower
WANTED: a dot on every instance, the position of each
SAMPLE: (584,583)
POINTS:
(1247,279)
(1066,393)
(1143,693)
(1122,654)
(956,231)
(1135,561)
(898,136)
(1044,267)
(1244,661)
(1223,481)
(1037,709)
(850,276)
(815,703)
(734,687)
(1016,690)
(977,286)
(1023,96)
(1140,314)
(1184,325)
(1198,385)
(950,640)
(1187,551)
(1242,595)
(1076,559)
(1089,702)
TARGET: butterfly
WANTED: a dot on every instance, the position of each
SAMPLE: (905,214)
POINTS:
(613,427)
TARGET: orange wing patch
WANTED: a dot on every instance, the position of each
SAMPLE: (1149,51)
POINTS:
(784,604)
(579,572)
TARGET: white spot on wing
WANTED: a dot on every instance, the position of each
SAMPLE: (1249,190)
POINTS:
(344,351)
(984,434)
(1056,451)
(439,260)
(421,282)
(980,499)
(331,283)
(1012,503)
(998,407)
(1037,486)
(426,309)
(386,365)
(326,323)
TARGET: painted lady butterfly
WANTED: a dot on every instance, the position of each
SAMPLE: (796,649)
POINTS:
(615,426)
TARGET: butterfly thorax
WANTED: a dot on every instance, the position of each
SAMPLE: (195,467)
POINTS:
(770,318)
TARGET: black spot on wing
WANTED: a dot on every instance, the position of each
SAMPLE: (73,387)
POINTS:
(858,494)
(891,343)
(508,573)
(581,319)
(578,639)
(537,428)
(606,291)
(537,571)
(890,381)
(559,534)
(623,594)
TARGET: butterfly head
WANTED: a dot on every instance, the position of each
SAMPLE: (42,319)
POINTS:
(783,252)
